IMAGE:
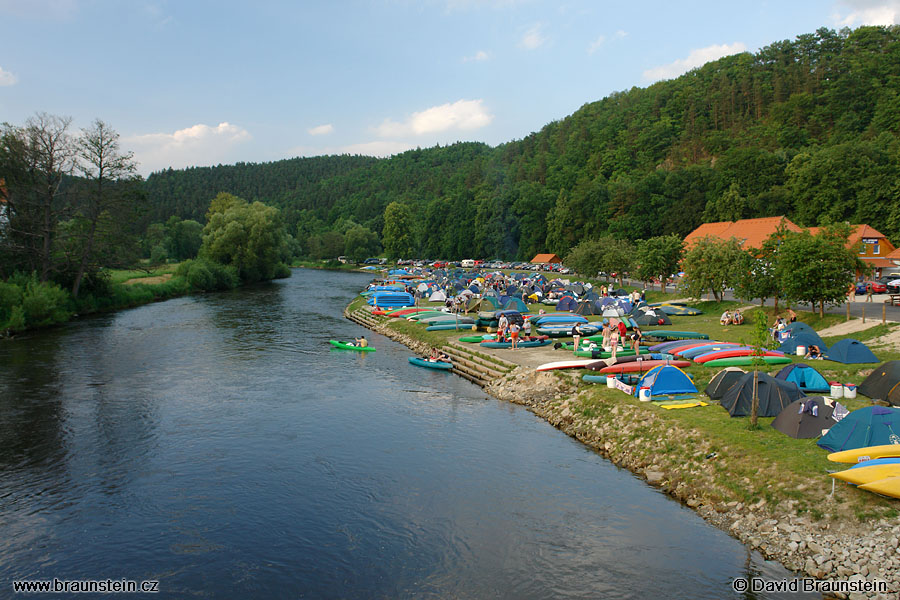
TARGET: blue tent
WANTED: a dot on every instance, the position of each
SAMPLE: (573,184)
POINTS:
(869,426)
(849,351)
(789,346)
(666,380)
(566,303)
(516,304)
(805,376)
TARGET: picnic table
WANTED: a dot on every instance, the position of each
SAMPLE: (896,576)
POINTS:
(893,299)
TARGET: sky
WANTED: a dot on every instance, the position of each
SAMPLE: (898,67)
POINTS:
(204,82)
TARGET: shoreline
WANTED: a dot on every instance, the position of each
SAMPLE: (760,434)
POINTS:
(816,544)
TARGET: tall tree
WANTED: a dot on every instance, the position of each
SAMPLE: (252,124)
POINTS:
(712,265)
(659,257)
(107,170)
(398,232)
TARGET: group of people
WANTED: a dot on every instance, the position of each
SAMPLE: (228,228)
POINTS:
(731,318)
(513,329)
(613,331)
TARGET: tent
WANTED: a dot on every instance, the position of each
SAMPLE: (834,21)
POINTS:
(513,316)
(589,307)
(805,376)
(566,303)
(774,395)
(789,346)
(666,380)
(883,383)
(850,351)
(868,426)
(611,310)
(437,296)
(805,418)
(516,304)
(722,382)
(798,327)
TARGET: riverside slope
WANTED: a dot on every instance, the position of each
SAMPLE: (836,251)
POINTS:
(832,548)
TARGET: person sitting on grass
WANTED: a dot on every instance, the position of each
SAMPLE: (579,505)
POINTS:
(813,352)
(725,319)
(737,318)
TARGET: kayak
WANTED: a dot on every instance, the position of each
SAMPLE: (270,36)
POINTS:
(889,486)
(348,346)
(474,339)
(671,345)
(732,353)
(643,366)
(869,471)
(599,353)
(698,350)
(857,455)
(744,361)
(450,327)
(673,335)
(529,344)
(690,346)
(618,360)
(430,364)
(565,364)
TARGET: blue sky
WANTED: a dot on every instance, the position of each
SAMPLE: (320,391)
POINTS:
(206,82)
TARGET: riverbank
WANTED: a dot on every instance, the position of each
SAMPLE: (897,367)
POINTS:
(770,491)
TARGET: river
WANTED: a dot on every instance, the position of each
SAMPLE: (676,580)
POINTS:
(217,445)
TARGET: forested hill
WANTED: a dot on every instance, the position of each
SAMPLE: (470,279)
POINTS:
(806,128)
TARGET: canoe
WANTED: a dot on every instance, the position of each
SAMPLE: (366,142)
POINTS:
(531,344)
(698,350)
(869,471)
(604,354)
(673,335)
(447,318)
(565,364)
(733,353)
(744,361)
(690,346)
(642,366)
(886,487)
(430,364)
(594,378)
(474,339)
(346,346)
(618,360)
(422,315)
(863,454)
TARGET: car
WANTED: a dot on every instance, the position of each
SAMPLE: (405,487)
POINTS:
(371,261)
(877,287)
(893,287)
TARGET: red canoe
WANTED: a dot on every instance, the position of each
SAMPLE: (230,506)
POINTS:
(642,366)
(731,354)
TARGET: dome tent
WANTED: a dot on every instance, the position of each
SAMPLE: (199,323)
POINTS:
(789,346)
(867,426)
(774,395)
(850,351)
(883,383)
(722,382)
(806,377)
(805,418)
(666,380)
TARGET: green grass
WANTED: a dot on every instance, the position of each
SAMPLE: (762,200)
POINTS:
(123,275)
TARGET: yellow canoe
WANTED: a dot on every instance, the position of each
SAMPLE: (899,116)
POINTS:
(863,475)
(863,454)
(886,487)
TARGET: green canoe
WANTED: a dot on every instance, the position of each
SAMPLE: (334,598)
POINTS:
(347,346)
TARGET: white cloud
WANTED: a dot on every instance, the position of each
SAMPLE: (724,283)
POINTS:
(533,38)
(321,129)
(696,58)
(463,115)
(868,12)
(199,145)
(601,40)
(477,57)
(7,78)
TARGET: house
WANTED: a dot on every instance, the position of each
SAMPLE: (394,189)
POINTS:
(875,248)
(541,259)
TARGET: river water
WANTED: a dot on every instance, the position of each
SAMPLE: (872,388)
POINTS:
(217,444)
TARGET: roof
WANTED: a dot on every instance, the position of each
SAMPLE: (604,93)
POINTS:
(546,258)
(895,255)
(750,232)
(878,262)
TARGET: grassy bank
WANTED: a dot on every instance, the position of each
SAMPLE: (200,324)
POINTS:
(705,453)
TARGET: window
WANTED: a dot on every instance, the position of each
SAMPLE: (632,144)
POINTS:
(875,249)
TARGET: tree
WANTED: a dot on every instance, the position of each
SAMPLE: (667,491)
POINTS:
(761,342)
(359,243)
(103,165)
(818,268)
(183,238)
(249,237)
(757,277)
(398,232)
(711,265)
(605,254)
(659,257)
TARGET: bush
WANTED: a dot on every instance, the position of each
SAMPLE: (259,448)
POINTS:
(158,255)
(10,297)
(282,271)
(205,275)
(44,303)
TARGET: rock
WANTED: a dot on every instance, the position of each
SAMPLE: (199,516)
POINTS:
(654,477)
(810,567)
(813,546)
(795,537)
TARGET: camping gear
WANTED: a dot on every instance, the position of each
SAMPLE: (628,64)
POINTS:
(521,344)
(837,390)
(805,418)
(868,426)
(849,390)
(883,383)
(566,303)
(801,351)
(475,339)
(744,361)
(430,364)
(870,471)
(667,380)
(642,366)
(644,394)
(774,395)
(678,309)
(792,345)
(886,487)
(698,350)
(610,380)
(349,346)
(670,345)
(733,353)
(722,381)
(850,351)
(865,453)
(675,335)
(805,376)
(451,326)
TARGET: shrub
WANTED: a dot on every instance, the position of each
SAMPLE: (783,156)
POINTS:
(44,303)
(158,255)
(10,298)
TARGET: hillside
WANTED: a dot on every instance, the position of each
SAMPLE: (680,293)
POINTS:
(807,128)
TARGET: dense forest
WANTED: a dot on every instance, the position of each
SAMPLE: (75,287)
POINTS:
(806,128)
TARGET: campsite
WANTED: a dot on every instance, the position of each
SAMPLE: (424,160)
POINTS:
(746,480)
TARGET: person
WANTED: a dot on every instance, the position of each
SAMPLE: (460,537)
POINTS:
(869,291)
(576,337)
(438,356)
(851,293)
(737,318)
(813,352)
(618,330)
(514,335)
(361,341)
(792,316)
(502,324)
(643,295)
(606,333)
(726,318)
(636,337)
(526,329)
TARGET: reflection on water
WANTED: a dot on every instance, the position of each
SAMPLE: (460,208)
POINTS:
(219,445)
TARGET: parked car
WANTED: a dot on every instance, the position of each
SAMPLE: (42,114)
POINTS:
(893,287)
(877,287)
